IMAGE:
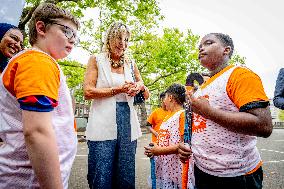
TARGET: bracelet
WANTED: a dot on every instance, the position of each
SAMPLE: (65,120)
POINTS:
(112,92)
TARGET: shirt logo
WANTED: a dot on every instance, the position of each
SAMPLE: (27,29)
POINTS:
(199,122)
(164,137)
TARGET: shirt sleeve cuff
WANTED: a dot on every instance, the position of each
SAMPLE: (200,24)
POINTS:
(37,103)
(254,104)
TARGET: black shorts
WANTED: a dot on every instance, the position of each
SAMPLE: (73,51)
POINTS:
(207,181)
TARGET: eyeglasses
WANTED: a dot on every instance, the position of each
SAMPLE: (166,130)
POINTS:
(68,32)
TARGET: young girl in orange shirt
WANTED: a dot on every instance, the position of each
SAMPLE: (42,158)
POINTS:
(168,166)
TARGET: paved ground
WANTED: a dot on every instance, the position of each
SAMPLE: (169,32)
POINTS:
(271,149)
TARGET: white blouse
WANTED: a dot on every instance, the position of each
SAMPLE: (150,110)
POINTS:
(118,80)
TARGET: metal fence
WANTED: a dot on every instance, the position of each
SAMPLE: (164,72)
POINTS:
(278,124)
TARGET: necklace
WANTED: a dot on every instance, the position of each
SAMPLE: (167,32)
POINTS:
(116,64)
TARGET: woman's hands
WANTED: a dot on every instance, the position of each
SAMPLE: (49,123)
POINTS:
(134,88)
(127,86)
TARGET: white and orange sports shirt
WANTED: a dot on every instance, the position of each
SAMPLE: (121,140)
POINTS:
(218,151)
(29,73)
(169,167)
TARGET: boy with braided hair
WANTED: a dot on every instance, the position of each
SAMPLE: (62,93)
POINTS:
(228,121)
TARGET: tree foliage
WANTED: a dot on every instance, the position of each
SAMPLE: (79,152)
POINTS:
(168,58)
(74,72)
(281,115)
(140,15)
(161,58)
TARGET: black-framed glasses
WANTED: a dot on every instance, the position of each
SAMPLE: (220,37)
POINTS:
(68,32)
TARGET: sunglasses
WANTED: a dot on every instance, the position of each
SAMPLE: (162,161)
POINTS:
(68,32)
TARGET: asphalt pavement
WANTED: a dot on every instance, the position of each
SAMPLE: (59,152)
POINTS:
(271,150)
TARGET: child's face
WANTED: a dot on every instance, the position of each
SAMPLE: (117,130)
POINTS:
(11,43)
(118,44)
(60,38)
(163,103)
(211,52)
(168,101)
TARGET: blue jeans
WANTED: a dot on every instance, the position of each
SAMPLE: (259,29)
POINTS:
(111,163)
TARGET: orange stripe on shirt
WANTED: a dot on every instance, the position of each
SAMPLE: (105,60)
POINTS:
(32,73)
(211,79)
(181,120)
(255,169)
(243,87)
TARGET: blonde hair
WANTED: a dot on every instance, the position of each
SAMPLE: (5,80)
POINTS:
(115,30)
(48,12)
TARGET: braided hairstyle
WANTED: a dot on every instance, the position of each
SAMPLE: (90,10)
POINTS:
(226,40)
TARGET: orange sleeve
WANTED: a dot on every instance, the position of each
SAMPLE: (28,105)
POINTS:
(181,123)
(244,87)
(33,73)
(151,118)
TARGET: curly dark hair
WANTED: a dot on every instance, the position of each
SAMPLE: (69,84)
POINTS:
(162,95)
(178,92)
(226,40)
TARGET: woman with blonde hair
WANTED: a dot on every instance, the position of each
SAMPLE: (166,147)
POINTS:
(112,80)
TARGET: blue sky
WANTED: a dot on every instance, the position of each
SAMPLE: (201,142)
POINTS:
(11,10)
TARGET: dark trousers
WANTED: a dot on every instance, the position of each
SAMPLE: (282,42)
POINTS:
(111,163)
(206,181)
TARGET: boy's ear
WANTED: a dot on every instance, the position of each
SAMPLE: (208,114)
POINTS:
(40,28)
(227,50)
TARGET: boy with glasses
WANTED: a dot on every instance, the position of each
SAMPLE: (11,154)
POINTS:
(37,122)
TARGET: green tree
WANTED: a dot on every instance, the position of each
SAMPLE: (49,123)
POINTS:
(161,58)
(165,59)
(168,58)
(74,72)
(238,59)
(281,115)
(140,15)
